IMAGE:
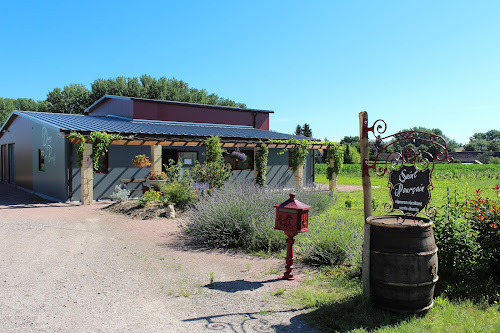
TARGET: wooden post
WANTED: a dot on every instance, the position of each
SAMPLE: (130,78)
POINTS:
(333,182)
(156,158)
(87,176)
(367,200)
(299,176)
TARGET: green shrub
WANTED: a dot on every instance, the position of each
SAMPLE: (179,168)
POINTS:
(215,174)
(150,196)
(469,247)
(182,193)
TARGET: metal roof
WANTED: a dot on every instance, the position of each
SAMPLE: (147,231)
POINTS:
(150,129)
(210,106)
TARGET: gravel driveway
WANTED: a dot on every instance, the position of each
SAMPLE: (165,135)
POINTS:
(73,268)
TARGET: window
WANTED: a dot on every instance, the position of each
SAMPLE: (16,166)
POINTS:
(188,157)
(41,160)
(103,163)
(240,159)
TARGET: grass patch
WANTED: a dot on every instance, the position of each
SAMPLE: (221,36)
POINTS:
(334,294)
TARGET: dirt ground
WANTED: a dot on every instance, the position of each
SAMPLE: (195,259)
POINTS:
(73,268)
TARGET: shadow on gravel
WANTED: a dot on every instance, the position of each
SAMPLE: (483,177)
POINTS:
(251,322)
(238,285)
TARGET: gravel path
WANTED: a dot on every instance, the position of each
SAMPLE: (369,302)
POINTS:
(72,268)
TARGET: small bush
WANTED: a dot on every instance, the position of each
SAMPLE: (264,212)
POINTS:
(149,196)
(120,194)
(332,241)
(182,193)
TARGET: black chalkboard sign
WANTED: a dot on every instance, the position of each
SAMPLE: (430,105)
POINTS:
(410,189)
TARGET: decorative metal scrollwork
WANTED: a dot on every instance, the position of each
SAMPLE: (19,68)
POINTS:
(421,160)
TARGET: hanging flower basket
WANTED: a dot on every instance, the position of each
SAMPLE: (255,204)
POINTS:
(239,155)
(141,161)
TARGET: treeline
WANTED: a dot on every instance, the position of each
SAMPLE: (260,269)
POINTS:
(75,98)
(483,142)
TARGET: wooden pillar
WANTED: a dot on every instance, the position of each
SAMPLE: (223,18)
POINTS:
(156,158)
(367,200)
(299,176)
(333,182)
(87,176)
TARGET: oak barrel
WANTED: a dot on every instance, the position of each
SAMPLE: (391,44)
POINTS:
(403,263)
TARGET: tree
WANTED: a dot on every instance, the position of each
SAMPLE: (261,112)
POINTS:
(420,144)
(351,140)
(304,130)
(489,141)
(7,105)
(73,99)
(298,130)
(351,155)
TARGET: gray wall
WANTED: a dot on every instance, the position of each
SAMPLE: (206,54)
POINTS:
(52,181)
(120,166)
(20,134)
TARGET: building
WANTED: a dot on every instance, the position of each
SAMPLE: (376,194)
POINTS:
(37,156)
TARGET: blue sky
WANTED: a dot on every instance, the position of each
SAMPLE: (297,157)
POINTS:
(412,63)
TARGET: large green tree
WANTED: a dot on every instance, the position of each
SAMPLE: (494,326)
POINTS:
(7,105)
(489,141)
(75,98)
(420,145)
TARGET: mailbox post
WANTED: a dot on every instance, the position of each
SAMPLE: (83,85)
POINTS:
(292,217)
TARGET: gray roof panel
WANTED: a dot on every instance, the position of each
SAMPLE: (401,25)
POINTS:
(85,123)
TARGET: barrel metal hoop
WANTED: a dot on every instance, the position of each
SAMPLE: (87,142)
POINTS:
(418,254)
(394,284)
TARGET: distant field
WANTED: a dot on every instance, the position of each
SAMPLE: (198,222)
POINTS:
(447,178)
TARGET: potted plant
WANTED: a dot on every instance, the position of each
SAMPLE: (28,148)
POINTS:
(141,161)
(156,178)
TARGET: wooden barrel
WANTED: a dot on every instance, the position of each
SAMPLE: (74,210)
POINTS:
(403,263)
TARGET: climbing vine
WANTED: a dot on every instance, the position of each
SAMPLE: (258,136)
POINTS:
(261,163)
(100,142)
(213,149)
(298,154)
(336,153)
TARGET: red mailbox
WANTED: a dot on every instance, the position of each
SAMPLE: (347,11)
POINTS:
(292,217)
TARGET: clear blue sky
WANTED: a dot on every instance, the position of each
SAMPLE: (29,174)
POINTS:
(412,63)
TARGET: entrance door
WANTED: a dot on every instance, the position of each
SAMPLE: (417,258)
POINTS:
(11,164)
(167,154)
(7,163)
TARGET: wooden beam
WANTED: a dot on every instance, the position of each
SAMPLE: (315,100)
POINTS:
(194,143)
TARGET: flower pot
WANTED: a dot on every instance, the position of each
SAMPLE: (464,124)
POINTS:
(156,183)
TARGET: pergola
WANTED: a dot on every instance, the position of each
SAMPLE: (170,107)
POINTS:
(156,144)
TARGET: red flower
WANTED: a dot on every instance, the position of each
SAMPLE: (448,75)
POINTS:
(496,188)
(494,225)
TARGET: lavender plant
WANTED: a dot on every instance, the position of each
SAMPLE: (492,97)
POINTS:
(241,215)
(332,241)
